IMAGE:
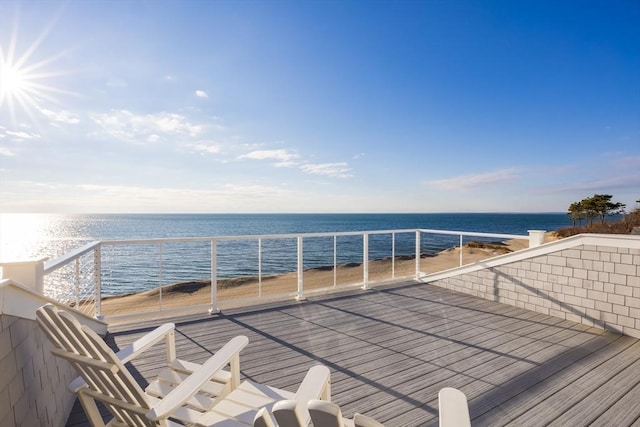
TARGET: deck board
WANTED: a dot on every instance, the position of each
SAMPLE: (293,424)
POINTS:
(391,349)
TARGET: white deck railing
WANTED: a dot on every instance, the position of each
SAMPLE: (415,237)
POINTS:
(91,277)
(74,279)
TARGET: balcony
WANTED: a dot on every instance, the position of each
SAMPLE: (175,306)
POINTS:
(391,349)
(543,335)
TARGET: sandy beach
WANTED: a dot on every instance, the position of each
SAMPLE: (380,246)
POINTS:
(248,290)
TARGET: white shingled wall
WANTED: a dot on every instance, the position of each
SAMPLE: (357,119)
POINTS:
(33,383)
(597,285)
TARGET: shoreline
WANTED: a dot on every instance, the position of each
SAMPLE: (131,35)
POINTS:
(198,292)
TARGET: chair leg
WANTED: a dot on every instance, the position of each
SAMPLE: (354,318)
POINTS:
(234,367)
(91,409)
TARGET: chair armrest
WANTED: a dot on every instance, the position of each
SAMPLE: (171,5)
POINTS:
(186,389)
(133,350)
(453,408)
(143,343)
(315,385)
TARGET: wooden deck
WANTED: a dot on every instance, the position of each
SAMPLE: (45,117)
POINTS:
(391,349)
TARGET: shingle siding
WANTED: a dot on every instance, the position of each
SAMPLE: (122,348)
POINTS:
(593,285)
(33,384)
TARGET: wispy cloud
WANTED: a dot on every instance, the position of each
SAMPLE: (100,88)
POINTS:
(631,162)
(608,172)
(6,152)
(473,181)
(201,94)
(22,135)
(335,170)
(131,127)
(17,135)
(608,184)
(204,147)
(290,159)
(63,116)
(283,158)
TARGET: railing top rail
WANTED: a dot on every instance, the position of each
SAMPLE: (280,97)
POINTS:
(65,259)
(475,234)
(251,237)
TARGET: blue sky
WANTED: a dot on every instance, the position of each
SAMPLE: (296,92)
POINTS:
(318,106)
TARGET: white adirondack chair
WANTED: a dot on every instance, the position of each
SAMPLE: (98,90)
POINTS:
(291,413)
(182,392)
(454,411)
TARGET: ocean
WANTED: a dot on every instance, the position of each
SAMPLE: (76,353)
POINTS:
(27,236)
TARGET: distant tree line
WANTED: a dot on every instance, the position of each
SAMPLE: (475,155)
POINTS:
(598,206)
(594,211)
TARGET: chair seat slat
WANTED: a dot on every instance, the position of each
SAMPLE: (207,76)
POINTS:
(179,365)
(213,388)
(199,401)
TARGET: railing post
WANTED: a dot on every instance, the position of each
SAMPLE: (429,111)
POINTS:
(461,250)
(418,254)
(393,255)
(300,295)
(259,267)
(214,279)
(29,273)
(161,276)
(97,279)
(77,282)
(335,261)
(365,261)
(536,238)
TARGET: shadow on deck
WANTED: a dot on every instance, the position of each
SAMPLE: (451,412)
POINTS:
(391,349)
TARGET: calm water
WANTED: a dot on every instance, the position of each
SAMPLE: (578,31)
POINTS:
(34,235)
(133,268)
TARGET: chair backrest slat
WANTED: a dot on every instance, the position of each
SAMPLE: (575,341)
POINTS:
(119,384)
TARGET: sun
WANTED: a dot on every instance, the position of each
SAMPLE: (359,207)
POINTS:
(22,85)
(13,83)
(23,78)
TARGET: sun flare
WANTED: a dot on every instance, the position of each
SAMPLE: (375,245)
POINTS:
(24,75)
(12,82)
(20,86)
